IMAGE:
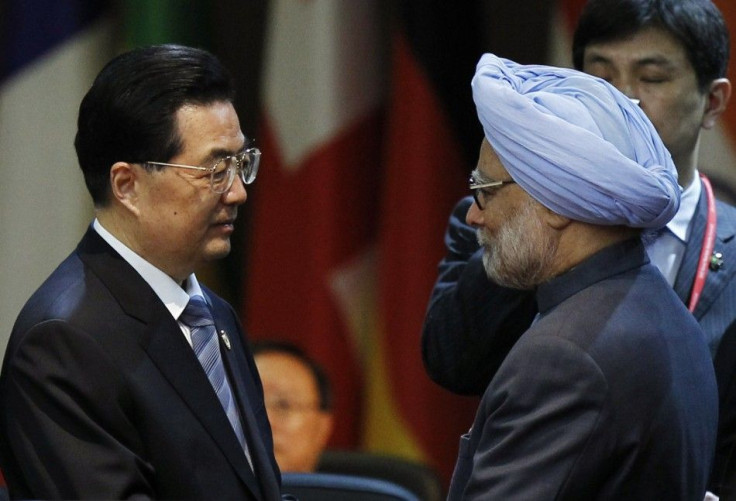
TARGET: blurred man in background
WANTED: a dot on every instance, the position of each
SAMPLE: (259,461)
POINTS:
(298,399)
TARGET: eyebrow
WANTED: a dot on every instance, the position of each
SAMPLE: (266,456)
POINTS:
(659,61)
(654,60)
(219,153)
(480,178)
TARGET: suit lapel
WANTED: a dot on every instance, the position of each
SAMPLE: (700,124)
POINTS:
(177,363)
(688,266)
(244,389)
(162,339)
(717,279)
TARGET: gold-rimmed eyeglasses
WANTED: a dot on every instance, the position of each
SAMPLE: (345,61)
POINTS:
(222,174)
(480,190)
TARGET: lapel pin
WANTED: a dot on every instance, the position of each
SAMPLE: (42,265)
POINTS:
(716,261)
(225,339)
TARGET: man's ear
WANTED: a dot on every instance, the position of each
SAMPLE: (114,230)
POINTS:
(124,184)
(719,93)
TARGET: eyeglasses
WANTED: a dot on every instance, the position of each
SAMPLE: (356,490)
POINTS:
(480,190)
(283,408)
(222,174)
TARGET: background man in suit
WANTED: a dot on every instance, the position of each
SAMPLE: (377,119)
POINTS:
(610,394)
(124,377)
(298,399)
(671,55)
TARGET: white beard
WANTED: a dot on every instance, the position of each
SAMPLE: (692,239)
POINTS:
(522,252)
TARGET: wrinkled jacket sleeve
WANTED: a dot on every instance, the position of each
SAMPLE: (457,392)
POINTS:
(471,323)
(64,417)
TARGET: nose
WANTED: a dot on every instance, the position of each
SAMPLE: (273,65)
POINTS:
(236,195)
(474,217)
(624,84)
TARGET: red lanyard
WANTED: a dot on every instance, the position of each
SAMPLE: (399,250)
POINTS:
(709,241)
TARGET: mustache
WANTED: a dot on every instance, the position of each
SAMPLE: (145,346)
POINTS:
(229,217)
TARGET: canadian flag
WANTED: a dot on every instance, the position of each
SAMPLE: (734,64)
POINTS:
(361,167)
(311,268)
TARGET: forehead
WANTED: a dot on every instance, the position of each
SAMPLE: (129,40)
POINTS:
(489,165)
(206,128)
(648,45)
(285,372)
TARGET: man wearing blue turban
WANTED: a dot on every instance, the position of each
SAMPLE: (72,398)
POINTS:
(671,56)
(611,393)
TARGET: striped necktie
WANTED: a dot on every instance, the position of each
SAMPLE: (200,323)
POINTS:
(198,318)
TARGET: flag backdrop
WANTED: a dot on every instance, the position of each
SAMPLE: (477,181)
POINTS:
(312,239)
(50,51)
(432,141)
(361,168)
(166,21)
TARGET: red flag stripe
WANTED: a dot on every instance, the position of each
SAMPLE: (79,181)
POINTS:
(425,176)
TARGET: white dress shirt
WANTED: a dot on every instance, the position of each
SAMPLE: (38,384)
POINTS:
(667,251)
(174,297)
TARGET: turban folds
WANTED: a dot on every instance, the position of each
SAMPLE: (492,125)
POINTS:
(576,144)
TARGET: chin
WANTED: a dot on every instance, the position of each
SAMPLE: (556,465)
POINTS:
(217,250)
(505,276)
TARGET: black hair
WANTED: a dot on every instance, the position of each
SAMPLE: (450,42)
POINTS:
(129,113)
(323,383)
(697,24)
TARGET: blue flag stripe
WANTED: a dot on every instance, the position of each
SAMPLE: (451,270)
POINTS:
(33,27)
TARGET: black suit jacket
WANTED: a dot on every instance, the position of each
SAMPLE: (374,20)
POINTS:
(101,396)
(472,323)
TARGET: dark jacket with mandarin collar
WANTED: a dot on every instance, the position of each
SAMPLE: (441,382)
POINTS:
(472,323)
(610,394)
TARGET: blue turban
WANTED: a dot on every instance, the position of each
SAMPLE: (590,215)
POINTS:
(576,144)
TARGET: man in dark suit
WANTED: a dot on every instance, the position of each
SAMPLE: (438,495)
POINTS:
(671,55)
(124,377)
(610,393)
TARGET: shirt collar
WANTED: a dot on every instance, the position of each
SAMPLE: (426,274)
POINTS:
(688,203)
(174,297)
